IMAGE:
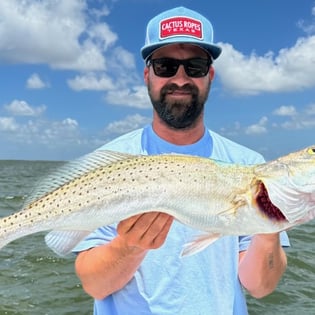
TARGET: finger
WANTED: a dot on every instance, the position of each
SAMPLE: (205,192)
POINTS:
(126,225)
(147,230)
(156,233)
(156,226)
(161,237)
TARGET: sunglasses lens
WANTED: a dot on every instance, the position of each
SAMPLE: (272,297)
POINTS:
(197,67)
(167,67)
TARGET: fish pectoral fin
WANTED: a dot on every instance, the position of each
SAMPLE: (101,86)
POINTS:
(63,242)
(199,244)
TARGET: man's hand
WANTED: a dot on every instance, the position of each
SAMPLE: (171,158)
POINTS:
(145,231)
(107,268)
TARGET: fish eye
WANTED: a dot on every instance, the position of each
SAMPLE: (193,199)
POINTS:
(311,150)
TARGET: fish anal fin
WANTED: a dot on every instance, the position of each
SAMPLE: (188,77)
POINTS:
(199,243)
(63,242)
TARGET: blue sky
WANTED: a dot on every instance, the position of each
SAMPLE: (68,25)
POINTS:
(72,76)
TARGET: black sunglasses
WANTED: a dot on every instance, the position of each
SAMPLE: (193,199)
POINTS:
(167,67)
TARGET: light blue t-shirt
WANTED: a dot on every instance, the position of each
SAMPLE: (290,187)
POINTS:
(165,284)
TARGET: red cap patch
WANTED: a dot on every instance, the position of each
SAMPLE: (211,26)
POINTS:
(180,26)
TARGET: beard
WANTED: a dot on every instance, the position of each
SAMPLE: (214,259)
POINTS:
(179,114)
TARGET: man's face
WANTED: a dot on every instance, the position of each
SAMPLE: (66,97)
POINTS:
(179,99)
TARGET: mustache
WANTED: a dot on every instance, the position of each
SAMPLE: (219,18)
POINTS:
(169,88)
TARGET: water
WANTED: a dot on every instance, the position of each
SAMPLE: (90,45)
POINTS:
(33,280)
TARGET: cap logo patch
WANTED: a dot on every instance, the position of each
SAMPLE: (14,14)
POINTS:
(180,26)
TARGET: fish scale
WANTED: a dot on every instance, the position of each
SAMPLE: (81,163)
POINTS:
(218,198)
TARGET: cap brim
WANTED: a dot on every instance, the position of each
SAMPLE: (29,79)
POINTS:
(213,50)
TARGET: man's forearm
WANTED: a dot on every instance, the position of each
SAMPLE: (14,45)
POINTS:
(107,268)
(262,265)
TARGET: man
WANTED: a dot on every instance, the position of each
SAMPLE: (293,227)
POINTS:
(134,267)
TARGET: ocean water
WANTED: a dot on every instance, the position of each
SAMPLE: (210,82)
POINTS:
(33,280)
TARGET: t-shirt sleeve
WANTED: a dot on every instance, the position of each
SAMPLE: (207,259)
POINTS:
(244,241)
(99,237)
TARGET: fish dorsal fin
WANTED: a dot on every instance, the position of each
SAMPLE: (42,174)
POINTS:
(74,169)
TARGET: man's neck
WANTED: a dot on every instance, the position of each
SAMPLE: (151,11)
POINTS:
(178,136)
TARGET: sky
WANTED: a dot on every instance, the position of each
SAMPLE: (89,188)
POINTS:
(71,74)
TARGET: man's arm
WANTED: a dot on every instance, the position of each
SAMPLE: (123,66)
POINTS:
(262,265)
(107,268)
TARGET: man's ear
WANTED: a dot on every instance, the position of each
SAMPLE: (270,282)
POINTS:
(211,73)
(146,75)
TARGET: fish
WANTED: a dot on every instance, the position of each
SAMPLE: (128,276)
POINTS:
(214,197)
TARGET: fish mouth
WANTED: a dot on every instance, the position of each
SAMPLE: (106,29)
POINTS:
(266,206)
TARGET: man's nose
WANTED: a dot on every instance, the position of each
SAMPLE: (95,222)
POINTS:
(181,77)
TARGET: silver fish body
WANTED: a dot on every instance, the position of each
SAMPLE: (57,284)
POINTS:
(218,198)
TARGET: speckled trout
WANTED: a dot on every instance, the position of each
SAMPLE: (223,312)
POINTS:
(211,196)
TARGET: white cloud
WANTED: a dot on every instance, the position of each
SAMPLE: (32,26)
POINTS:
(56,32)
(308,26)
(74,39)
(120,82)
(289,118)
(8,124)
(39,131)
(22,108)
(136,97)
(65,130)
(310,110)
(122,60)
(291,70)
(129,123)
(298,124)
(59,139)
(91,81)
(285,111)
(302,120)
(35,82)
(258,128)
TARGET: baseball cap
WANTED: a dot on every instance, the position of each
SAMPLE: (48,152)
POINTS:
(179,25)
